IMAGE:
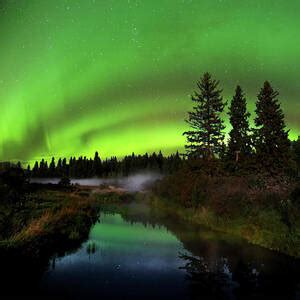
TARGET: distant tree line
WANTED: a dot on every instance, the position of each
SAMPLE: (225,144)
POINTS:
(265,146)
(83,167)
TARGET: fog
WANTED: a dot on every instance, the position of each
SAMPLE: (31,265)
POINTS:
(132,183)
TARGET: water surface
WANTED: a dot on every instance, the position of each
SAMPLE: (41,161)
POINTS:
(138,254)
(121,260)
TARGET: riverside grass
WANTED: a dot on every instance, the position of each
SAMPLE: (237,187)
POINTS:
(265,229)
(69,214)
(51,214)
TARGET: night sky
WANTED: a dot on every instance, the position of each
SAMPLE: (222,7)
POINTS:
(115,76)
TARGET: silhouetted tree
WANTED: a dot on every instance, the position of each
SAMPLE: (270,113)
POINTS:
(43,169)
(59,171)
(272,143)
(88,167)
(35,169)
(97,168)
(52,167)
(296,154)
(206,137)
(64,167)
(239,144)
(160,161)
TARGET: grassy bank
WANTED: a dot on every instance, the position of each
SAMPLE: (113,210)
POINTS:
(262,211)
(49,217)
(267,230)
(42,224)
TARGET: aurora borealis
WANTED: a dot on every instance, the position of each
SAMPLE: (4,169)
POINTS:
(115,76)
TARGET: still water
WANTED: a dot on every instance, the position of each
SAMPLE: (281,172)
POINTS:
(120,260)
(134,252)
(138,255)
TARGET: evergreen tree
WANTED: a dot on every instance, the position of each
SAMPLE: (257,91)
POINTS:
(42,169)
(296,155)
(52,167)
(64,167)
(272,143)
(71,166)
(59,170)
(160,161)
(45,171)
(35,170)
(239,144)
(97,168)
(296,150)
(206,137)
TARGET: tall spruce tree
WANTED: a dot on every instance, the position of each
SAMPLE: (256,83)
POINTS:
(206,137)
(239,144)
(296,151)
(97,170)
(35,169)
(52,167)
(272,143)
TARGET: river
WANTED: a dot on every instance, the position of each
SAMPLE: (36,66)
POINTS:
(138,253)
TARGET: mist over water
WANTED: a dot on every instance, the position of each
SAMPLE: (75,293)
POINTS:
(132,183)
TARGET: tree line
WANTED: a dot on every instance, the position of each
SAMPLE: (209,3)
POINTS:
(83,167)
(266,145)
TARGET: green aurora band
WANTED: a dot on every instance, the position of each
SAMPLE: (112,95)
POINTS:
(115,76)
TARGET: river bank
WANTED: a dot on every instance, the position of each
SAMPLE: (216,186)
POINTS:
(53,213)
(261,209)
(48,215)
(271,235)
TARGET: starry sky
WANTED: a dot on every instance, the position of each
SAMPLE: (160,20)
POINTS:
(116,75)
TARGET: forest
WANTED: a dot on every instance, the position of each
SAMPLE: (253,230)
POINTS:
(84,167)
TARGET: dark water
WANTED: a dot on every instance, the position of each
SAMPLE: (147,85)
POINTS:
(139,254)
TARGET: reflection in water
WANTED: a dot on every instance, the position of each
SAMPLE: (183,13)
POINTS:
(141,254)
(120,260)
(91,248)
(210,281)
